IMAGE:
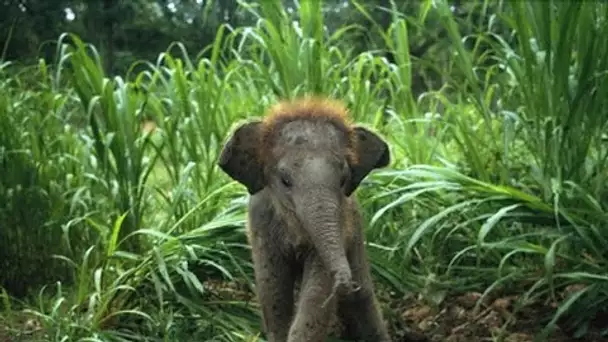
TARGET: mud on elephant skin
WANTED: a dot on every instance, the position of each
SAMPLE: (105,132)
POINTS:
(301,165)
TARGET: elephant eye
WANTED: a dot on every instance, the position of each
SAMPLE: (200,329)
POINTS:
(343,180)
(286,181)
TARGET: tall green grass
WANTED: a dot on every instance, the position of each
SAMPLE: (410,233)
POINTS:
(42,184)
(496,184)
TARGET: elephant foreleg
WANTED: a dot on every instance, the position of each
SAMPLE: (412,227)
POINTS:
(312,320)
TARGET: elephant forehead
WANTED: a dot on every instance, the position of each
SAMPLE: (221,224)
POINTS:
(315,134)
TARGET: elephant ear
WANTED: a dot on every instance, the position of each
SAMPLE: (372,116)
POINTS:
(239,157)
(372,153)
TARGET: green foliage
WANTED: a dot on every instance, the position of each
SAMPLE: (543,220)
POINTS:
(43,187)
(496,184)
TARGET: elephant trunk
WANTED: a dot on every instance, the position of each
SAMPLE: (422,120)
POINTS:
(320,216)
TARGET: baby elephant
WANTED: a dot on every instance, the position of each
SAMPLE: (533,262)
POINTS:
(301,165)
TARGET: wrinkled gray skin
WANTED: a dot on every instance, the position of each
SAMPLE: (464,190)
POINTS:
(305,229)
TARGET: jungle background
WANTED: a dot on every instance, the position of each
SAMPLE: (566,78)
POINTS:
(117,225)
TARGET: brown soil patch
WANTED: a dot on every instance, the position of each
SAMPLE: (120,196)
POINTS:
(456,319)
(20,329)
(410,319)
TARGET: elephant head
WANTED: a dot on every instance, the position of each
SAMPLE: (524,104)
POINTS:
(310,159)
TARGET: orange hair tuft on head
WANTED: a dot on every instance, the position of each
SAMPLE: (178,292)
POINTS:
(309,108)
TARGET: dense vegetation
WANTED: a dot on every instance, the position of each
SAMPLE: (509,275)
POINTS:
(116,224)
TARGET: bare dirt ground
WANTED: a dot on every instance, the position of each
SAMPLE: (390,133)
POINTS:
(456,319)
(20,329)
